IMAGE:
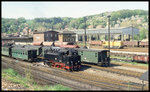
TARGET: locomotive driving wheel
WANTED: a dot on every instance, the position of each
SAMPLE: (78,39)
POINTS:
(46,62)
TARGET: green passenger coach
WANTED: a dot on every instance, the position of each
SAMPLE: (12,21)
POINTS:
(38,48)
(6,50)
(94,56)
(24,53)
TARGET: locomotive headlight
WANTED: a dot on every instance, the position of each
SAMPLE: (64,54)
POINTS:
(55,58)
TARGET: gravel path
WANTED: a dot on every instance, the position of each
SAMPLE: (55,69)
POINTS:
(8,85)
(113,75)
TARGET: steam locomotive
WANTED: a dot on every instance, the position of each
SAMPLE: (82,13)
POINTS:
(67,59)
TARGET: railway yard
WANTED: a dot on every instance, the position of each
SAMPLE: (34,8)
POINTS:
(123,72)
(119,76)
(102,52)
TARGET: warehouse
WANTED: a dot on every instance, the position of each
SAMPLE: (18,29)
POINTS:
(6,40)
(18,40)
(123,33)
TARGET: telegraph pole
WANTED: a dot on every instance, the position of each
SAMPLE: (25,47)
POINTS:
(85,37)
(52,28)
(109,38)
(132,31)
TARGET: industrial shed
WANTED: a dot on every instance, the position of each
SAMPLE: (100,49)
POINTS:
(125,33)
(7,40)
(19,40)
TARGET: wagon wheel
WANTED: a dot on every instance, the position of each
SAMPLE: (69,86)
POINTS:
(78,69)
(70,70)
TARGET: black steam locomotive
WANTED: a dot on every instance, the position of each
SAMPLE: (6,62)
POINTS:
(67,59)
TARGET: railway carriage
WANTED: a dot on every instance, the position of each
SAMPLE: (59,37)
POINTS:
(38,48)
(113,44)
(6,50)
(24,53)
(94,56)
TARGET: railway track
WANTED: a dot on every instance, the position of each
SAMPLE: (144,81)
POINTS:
(45,78)
(126,49)
(94,82)
(117,71)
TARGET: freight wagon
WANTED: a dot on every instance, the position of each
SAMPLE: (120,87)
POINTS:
(131,43)
(136,43)
(141,58)
(99,43)
(143,44)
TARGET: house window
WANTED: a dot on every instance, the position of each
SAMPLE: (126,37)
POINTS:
(51,35)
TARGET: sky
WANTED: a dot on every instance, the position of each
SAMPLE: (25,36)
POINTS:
(30,10)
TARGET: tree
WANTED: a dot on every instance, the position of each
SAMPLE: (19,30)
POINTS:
(143,34)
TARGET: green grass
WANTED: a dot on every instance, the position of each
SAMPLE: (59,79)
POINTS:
(129,58)
(27,82)
(13,76)
(82,44)
(132,63)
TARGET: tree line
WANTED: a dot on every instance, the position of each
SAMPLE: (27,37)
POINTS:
(10,25)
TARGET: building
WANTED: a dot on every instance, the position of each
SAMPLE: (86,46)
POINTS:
(18,40)
(67,36)
(46,36)
(23,40)
(6,40)
(124,33)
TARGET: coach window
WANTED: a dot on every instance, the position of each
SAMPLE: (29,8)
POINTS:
(95,54)
(81,52)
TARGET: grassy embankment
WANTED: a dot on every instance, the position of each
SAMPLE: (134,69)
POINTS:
(27,82)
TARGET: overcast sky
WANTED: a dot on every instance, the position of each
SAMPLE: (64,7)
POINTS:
(30,10)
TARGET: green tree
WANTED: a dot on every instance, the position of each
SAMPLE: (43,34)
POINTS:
(143,34)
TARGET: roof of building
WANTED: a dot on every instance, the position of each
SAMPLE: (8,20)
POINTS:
(13,38)
(43,32)
(66,32)
(121,30)
(22,48)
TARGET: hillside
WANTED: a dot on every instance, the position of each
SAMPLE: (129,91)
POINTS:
(121,18)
